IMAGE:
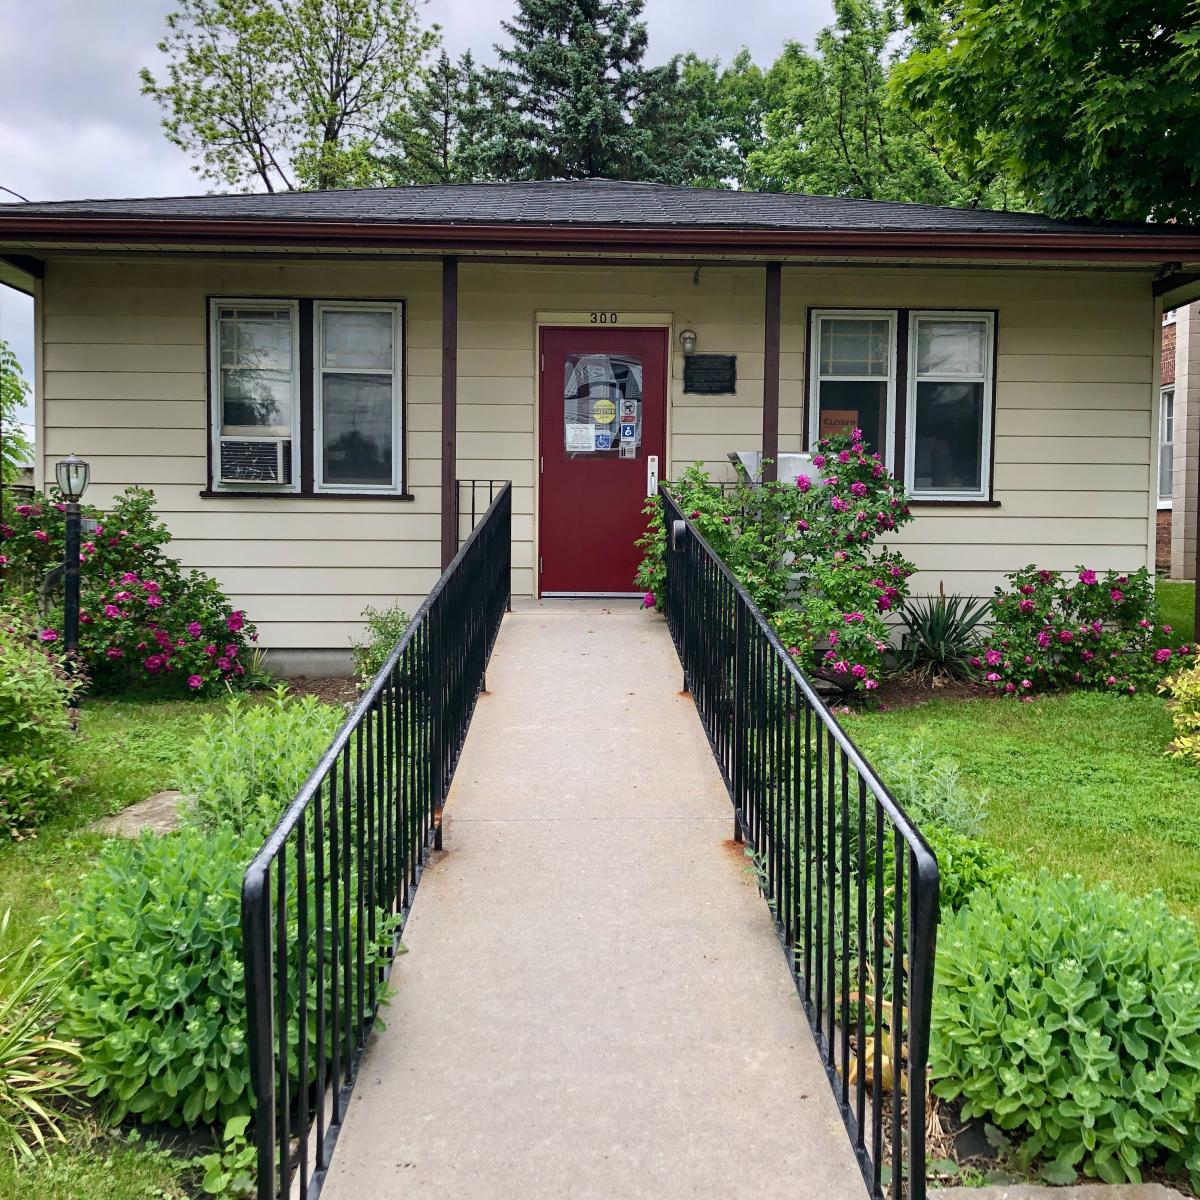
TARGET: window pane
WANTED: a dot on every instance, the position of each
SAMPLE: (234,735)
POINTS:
(951,347)
(256,403)
(854,346)
(948,437)
(1166,454)
(846,406)
(356,421)
(257,339)
(357,339)
(602,401)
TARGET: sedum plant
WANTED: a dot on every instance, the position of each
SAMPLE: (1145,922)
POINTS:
(1070,1016)
(246,765)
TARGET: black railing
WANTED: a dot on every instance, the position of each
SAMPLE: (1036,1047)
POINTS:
(852,884)
(323,900)
(472,498)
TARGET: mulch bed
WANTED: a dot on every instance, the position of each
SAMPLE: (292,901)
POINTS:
(904,691)
(336,689)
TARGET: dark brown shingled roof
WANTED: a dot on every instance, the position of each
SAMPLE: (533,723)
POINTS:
(589,202)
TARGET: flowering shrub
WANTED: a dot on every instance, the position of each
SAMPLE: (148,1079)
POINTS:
(1097,631)
(34,732)
(804,549)
(1184,703)
(144,621)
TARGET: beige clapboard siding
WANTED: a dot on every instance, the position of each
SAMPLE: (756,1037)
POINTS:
(125,384)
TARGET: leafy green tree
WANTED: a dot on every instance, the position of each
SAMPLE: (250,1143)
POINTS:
(1093,109)
(834,128)
(287,93)
(15,450)
(432,140)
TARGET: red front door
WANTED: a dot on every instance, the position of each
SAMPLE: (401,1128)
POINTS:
(603,418)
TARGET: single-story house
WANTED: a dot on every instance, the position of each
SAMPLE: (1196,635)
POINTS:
(301,377)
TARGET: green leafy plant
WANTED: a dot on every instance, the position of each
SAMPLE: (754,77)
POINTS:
(35,690)
(38,1069)
(246,765)
(1183,688)
(383,629)
(931,787)
(1071,1016)
(941,634)
(154,992)
(230,1171)
(965,864)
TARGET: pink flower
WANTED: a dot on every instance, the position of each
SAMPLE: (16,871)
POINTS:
(1026,699)
(48,635)
(155,662)
(114,652)
(230,650)
(844,457)
(1026,684)
(1111,680)
(193,627)
(1117,595)
(24,510)
(194,681)
(1026,589)
(210,649)
(871,684)
(224,664)
(41,535)
(851,617)
(884,603)
(154,601)
(838,504)
(994,658)
(1010,688)
(150,586)
(841,666)
(803,483)
(1162,656)
(1087,576)
(1131,689)
(818,461)
(1026,606)
(121,597)
(858,671)
(111,610)
(802,525)
(1166,629)
(992,677)
(1043,638)
(1065,636)
(3,560)
(1143,624)
(856,435)
(235,620)
(829,481)
(129,577)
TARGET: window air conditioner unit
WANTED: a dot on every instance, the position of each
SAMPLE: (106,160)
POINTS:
(256,460)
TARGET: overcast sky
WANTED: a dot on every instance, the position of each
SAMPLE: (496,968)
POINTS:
(73,124)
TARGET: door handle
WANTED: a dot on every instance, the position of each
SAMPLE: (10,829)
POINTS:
(651,474)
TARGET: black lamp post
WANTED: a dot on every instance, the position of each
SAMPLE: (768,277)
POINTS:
(73,475)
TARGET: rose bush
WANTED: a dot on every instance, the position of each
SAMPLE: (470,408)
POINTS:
(805,549)
(144,621)
(1050,632)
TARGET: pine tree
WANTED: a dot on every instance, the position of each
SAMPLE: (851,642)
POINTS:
(562,103)
(432,140)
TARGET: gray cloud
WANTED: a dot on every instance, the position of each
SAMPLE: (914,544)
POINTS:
(74,124)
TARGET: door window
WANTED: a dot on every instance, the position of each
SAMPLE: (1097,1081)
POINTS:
(602,405)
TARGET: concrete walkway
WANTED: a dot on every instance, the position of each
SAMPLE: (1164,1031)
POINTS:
(594,1003)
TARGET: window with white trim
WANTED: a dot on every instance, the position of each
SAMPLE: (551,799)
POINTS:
(357,371)
(945,422)
(949,427)
(307,397)
(1166,443)
(255,394)
(853,385)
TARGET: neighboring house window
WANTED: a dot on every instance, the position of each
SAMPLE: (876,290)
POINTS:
(1166,444)
(854,384)
(333,426)
(949,405)
(256,398)
(358,397)
(943,360)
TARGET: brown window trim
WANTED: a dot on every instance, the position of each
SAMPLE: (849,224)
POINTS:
(307,458)
(901,417)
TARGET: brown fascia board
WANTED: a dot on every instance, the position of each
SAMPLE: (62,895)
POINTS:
(1068,245)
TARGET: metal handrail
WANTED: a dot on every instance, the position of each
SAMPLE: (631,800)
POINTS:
(790,769)
(360,829)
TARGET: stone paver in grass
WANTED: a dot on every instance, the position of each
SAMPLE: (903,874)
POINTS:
(158,813)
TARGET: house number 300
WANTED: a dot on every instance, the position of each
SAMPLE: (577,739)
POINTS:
(604,318)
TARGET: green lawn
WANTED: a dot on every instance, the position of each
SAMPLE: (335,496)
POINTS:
(1176,607)
(1079,783)
(124,751)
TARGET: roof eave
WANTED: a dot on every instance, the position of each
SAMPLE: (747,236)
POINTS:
(1091,245)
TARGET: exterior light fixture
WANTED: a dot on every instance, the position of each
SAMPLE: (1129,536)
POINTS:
(73,475)
(687,339)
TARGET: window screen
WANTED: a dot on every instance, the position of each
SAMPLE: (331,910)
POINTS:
(855,357)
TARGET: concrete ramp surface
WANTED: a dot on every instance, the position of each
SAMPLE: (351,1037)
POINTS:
(594,1002)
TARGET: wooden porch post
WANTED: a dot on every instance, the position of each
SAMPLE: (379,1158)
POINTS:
(449,409)
(770,418)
